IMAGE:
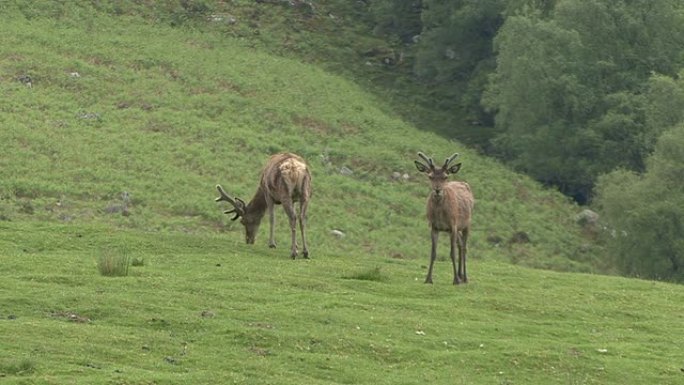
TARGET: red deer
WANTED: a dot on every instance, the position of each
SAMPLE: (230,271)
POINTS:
(284,180)
(449,208)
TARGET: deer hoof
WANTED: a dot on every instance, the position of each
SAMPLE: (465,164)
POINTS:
(272,245)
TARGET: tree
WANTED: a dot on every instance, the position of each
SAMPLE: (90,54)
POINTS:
(567,92)
(646,212)
(400,18)
(541,100)
(455,53)
(665,107)
(450,46)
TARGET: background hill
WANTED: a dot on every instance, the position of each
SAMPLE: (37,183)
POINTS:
(155,105)
(118,105)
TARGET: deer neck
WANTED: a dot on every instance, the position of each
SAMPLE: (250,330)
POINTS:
(257,206)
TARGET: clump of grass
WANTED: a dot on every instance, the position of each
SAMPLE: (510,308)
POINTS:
(138,262)
(22,367)
(114,263)
(374,274)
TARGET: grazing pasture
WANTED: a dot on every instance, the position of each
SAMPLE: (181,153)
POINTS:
(200,312)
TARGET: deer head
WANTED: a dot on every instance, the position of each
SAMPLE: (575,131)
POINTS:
(438,176)
(240,209)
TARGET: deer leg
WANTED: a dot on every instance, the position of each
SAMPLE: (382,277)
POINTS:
(270,206)
(302,226)
(292,216)
(433,255)
(455,244)
(462,252)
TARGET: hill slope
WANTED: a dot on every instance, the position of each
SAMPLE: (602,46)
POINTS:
(118,105)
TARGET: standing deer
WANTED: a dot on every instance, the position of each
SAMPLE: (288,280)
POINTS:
(449,208)
(284,180)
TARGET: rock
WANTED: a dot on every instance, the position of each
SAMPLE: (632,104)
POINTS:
(587,218)
(346,171)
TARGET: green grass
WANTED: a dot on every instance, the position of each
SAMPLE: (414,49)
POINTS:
(206,310)
(122,160)
(17,368)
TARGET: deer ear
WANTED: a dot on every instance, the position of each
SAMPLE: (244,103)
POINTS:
(421,167)
(454,169)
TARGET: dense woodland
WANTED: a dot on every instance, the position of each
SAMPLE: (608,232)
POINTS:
(586,96)
(583,95)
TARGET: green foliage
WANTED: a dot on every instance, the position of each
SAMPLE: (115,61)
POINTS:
(449,48)
(650,204)
(567,89)
(540,101)
(664,106)
(636,38)
(646,212)
(455,56)
(400,18)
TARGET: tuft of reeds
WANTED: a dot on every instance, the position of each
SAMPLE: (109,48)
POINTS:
(113,263)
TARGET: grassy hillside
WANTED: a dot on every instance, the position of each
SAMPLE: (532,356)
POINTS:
(118,105)
(122,105)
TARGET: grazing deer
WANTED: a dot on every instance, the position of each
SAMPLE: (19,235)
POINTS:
(449,208)
(284,180)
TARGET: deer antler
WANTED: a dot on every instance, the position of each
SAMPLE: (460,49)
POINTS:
(238,204)
(426,159)
(449,160)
